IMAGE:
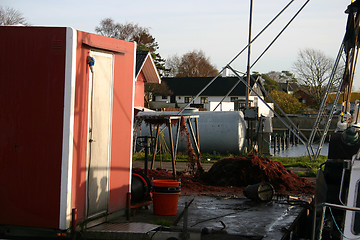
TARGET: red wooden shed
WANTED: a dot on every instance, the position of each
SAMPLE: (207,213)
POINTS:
(66,127)
(145,72)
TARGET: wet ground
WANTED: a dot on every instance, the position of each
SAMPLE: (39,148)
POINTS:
(223,217)
(220,213)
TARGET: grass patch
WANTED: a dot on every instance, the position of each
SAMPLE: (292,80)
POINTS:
(302,162)
(182,157)
(302,174)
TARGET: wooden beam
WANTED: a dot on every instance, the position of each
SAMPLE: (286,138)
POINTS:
(172,149)
(155,147)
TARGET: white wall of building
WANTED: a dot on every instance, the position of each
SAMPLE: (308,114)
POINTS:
(181,99)
(224,106)
(162,99)
(213,101)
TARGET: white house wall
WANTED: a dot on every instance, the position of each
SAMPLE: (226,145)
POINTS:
(181,99)
(264,110)
(224,106)
(161,99)
(227,105)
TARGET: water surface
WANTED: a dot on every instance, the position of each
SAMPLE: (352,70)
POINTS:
(299,150)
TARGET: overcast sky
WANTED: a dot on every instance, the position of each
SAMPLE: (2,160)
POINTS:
(219,28)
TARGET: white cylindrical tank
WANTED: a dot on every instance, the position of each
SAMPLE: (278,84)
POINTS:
(222,132)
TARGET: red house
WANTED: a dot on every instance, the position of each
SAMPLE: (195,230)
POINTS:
(304,97)
(66,100)
(146,72)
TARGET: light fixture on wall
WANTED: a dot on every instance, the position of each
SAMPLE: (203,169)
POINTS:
(91,62)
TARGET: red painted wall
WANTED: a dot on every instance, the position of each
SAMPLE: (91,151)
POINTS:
(31,101)
(121,122)
(139,90)
(121,150)
(80,129)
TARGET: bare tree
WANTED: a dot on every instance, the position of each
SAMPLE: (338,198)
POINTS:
(313,69)
(281,77)
(128,32)
(10,16)
(191,64)
(134,33)
(172,63)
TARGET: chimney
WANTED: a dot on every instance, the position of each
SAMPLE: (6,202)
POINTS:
(225,73)
(287,86)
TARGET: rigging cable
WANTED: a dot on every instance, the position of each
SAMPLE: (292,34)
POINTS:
(212,80)
(297,13)
(268,25)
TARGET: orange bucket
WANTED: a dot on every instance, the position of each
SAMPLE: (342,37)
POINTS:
(165,196)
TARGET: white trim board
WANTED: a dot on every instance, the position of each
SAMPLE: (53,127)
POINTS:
(68,129)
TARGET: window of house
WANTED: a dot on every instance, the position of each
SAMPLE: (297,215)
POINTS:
(204,100)
(242,104)
(187,99)
(233,99)
(164,97)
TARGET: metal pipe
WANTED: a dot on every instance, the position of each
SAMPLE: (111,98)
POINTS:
(177,137)
(356,111)
(341,186)
(155,147)
(331,205)
(353,74)
(147,147)
(353,61)
(249,53)
(322,221)
(193,137)
(322,106)
(355,209)
(172,149)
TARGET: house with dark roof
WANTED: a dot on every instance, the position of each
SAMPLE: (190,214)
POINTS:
(304,97)
(184,89)
(145,72)
(298,91)
(288,87)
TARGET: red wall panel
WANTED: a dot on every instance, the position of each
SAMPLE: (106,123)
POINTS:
(80,129)
(31,117)
(139,90)
(121,150)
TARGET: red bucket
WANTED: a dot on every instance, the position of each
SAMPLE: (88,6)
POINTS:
(165,196)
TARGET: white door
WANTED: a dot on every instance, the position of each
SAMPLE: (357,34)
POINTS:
(99,133)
